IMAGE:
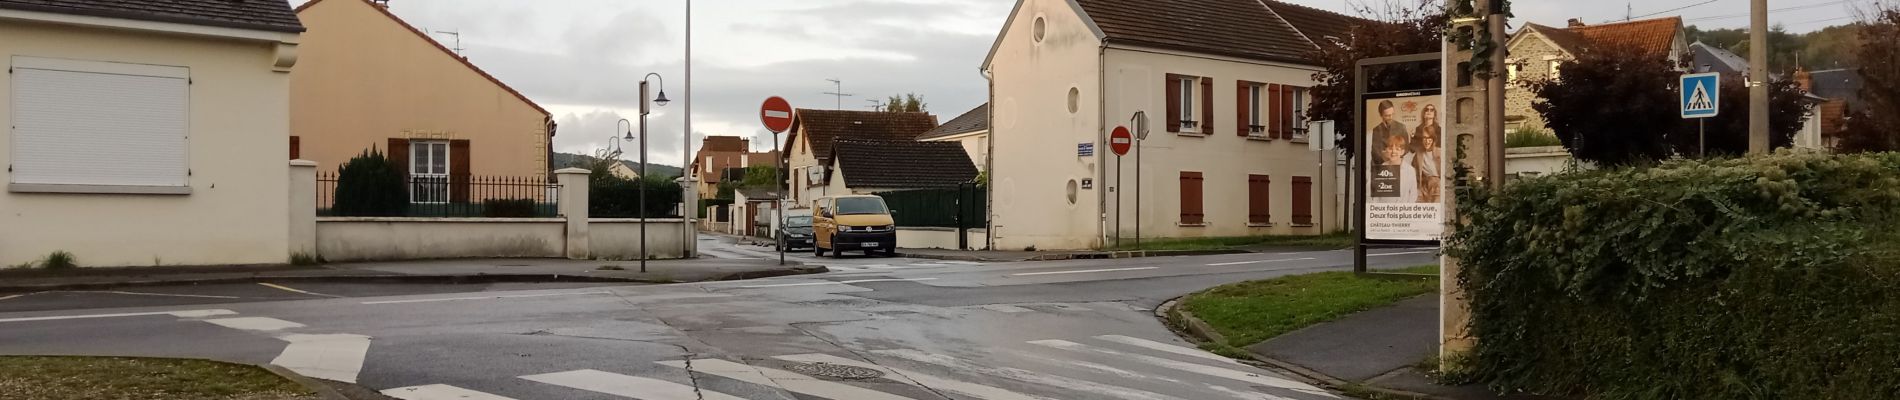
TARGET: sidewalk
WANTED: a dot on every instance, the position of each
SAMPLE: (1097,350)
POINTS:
(428,271)
(1377,348)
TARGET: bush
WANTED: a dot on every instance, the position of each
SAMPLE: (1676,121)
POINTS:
(508,208)
(614,197)
(1530,137)
(1759,278)
(369,185)
(59,260)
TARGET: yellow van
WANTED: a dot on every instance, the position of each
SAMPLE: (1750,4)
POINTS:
(860,222)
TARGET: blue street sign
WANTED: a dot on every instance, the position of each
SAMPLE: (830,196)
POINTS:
(1701,95)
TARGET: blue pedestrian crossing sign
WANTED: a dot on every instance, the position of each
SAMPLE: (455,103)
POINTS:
(1701,95)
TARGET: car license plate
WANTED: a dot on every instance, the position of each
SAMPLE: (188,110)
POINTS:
(870,244)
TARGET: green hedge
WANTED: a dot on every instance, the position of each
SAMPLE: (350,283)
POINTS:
(1771,277)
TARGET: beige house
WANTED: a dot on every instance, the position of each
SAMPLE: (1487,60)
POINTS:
(1538,52)
(970,130)
(809,145)
(370,80)
(1223,92)
(134,128)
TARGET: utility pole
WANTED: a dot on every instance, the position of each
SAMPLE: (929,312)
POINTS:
(1483,137)
(1758,77)
(458,41)
(839,92)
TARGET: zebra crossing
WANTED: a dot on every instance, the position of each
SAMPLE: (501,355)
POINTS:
(1139,375)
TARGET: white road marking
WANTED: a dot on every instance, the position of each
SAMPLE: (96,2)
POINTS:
(1259,262)
(1124,374)
(198,296)
(1006,308)
(255,323)
(439,392)
(1245,395)
(180,314)
(517,296)
(337,357)
(837,282)
(960,262)
(627,386)
(18,296)
(1083,271)
(783,379)
(1071,384)
(1399,254)
(1164,347)
(294,290)
(924,265)
(933,382)
(1189,367)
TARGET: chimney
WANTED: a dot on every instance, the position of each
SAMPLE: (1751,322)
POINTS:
(381,3)
(1576,22)
(1804,79)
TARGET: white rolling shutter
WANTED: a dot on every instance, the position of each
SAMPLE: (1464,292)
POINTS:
(99,124)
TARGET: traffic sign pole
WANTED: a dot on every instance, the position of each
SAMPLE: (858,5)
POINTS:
(776,115)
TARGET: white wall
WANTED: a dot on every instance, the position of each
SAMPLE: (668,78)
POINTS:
(1536,161)
(619,239)
(1035,134)
(372,238)
(936,238)
(239,136)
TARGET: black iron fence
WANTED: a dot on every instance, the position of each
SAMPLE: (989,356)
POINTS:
(959,207)
(450,196)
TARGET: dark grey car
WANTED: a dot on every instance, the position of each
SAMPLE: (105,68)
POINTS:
(796,233)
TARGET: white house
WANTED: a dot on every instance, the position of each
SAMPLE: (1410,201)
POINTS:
(970,130)
(146,132)
(1223,84)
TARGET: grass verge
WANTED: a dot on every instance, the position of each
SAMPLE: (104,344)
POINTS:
(1328,241)
(1251,312)
(61,378)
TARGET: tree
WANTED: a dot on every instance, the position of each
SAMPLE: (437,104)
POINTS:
(1874,124)
(1613,106)
(908,102)
(1390,29)
(369,185)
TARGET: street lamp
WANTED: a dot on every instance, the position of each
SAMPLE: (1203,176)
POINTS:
(644,110)
(614,147)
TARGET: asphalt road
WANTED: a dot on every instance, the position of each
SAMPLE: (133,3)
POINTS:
(878,328)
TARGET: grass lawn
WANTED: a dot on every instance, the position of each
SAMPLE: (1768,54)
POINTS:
(1251,312)
(1330,241)
(61,378)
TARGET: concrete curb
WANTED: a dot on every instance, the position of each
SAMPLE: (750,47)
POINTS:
(947,257)
(408,279)
(1184,324)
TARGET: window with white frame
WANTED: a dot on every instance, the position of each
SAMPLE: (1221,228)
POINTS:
(1254,124)
(1187,105)
(1555,67)
(1296,113)
(429,171)
(99,127)
(1512,71)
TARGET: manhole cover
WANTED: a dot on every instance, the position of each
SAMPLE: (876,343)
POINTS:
(835,371)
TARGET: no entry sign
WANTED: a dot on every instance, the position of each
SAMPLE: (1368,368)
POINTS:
(776,113)
(1119,141)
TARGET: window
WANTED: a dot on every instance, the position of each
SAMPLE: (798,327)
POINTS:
(1302,201)
(99,127)
(1272,111)
(1295,112)
(1555,67)
(1258,200)
(1191,213)
(1182,91)
(429,171)
(1254,124)
(1512,71)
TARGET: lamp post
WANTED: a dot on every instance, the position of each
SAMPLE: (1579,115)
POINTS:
(646,108)
(689,195)
(614,147)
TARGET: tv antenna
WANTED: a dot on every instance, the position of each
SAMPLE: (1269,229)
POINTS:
(458,41)
(876,105)
(839,92)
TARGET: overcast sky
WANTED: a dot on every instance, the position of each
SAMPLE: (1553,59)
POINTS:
(583,59)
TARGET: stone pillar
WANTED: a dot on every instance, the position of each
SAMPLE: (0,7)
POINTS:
(303,207)
(573,204)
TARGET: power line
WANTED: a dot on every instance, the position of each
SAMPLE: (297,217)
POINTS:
(1792,8)
(1673,9)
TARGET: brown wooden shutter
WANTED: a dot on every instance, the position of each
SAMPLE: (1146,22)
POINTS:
(458,171)
(1207,106)
(1285,110)
(1258,204)
(1191,198)
(399,155)
(1271,113)
(1173,83)
(1302,200)
(1241,91)
(296,148)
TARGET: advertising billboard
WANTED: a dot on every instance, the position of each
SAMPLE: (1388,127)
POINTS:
(1406,168)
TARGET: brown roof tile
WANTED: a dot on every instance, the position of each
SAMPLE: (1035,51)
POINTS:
(870,163)
(977,119)
(267,15)
(1654,36)
(1237,28)
(827,125)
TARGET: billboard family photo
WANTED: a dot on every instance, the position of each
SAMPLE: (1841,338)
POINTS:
(1405,157)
